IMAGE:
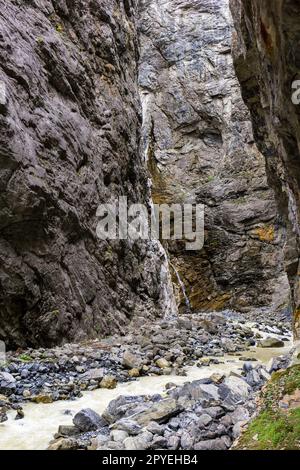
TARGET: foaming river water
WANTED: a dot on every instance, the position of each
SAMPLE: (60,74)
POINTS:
(41,422)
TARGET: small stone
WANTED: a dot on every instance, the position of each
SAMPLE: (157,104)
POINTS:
(20,414)
(155,428)
(109,382)
(93,374)
(43,398)
(162,363)
(134,373)
(211,444)
(118,435)
(217,378)
(204,420)
(173,442)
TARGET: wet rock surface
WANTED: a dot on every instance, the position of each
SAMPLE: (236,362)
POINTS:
(70,121)
(200,415)
(266,41)
(198,139)
(166,347)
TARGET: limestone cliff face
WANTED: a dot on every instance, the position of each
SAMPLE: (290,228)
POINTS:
(198,139)
(70,123)
(267,60)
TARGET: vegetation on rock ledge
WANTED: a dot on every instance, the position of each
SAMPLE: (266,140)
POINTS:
(277,427)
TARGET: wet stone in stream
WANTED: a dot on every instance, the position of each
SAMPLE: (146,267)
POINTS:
(160,349)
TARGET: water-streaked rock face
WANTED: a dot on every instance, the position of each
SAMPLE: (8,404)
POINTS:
(70,121)
(267,63)
(198,140)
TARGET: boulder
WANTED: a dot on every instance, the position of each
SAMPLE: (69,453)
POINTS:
(121,407)
(173,442)
(94,374)
(162,363)
(187,440)
(140,442)
(3,416)
(270,343)
(134,373)
(155,428)
(43,398)
(211,444)
(110,382)
(160,412)
(7,383)
(88,420)
(198,390)
(127,425)
(63,444)
(240,414)
(118,435)
(234,390)
(131,361)
(204,420)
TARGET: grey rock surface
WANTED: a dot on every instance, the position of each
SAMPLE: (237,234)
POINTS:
(266,41)
(199,144)
(70,120)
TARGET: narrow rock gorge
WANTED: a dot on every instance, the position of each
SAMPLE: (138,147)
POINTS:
(141,344)
(71,126)
(200,148)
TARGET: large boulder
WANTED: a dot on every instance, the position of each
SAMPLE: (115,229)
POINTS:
(131,361)
(159,412)
(7,383)
(270,343)
(88,420)
(121,407)
(234,390)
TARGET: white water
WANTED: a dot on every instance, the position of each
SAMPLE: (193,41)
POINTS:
(182,287)
(41,422)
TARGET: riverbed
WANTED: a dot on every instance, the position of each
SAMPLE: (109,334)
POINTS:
(41,421)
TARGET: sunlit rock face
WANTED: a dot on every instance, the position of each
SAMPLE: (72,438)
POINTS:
(267,61)
(198,141)
(70,120)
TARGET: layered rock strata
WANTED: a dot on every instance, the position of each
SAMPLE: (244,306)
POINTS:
(267,64)
(70,122)
(198,141)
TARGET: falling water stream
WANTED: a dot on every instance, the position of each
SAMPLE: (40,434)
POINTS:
(182,287)
(41,421)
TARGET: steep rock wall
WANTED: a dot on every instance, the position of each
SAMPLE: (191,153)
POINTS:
(70,123)
(197,137)
(267,63)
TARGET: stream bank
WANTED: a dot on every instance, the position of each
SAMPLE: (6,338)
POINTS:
(203,351)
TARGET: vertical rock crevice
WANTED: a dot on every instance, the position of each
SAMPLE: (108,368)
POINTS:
(198,135)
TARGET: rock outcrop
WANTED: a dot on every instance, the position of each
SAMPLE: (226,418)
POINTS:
(267,64)
(70,122)
(198,140)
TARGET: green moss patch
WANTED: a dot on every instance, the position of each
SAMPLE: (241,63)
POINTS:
(275,428)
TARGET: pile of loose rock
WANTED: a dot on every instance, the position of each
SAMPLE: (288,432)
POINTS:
(166,347)
(206,414)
